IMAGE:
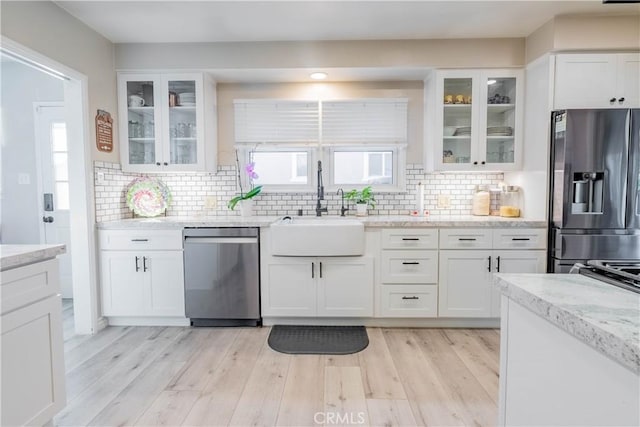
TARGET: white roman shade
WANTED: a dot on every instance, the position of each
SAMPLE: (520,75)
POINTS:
(276,121)
(375,121)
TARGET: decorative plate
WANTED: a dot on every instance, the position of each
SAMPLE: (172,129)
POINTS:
(148,197)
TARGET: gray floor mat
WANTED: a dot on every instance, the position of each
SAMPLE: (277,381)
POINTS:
(295,339)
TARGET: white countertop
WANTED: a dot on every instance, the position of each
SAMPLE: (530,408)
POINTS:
(601,315)
(369,221)
(12,256)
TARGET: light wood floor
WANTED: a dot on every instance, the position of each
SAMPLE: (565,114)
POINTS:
(229,376)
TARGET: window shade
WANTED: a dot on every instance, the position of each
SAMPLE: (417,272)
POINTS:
(276,121)
(376,121)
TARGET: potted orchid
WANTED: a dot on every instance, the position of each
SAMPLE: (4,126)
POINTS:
(245,199)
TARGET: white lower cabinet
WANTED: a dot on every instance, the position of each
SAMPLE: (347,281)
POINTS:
(141,278)
(466,279)
(325,287)
(465,283)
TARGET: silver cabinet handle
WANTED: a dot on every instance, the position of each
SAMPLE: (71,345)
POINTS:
(414,297)
(144,264)
(137,266)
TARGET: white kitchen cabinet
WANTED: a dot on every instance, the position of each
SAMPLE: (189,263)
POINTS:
(478,119)
(167,122)
(597,80)
(289,287)
(323,287)
(33,381)
(465,283)
(520,261)
(142,275)
(466,275)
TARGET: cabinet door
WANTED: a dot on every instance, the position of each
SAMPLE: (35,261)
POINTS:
(628,80)
(289,287)
(515,262)
(465,284)
(500,131)
(125,287)
(140,118)
(456,120)
(345,287)
(585,81)
(183,122)
(33,381)
(165,271)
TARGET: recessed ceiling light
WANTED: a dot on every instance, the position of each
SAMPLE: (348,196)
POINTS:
(491,82)
(318,76)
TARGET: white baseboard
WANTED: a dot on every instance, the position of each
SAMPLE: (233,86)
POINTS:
(149,321)
(102,323)
(384,322)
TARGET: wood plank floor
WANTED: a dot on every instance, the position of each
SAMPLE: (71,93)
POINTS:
(229,376)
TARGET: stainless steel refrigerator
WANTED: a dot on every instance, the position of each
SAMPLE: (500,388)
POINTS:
(594,207)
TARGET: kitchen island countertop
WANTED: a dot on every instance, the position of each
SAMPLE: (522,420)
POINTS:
(12,256)
(601,315)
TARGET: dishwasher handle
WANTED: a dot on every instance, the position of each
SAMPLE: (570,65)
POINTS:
(220,240)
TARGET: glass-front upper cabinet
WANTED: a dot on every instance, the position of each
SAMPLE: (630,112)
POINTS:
(170,122)
(478,122)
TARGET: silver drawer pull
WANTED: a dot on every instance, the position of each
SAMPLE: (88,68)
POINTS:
(410,263)
(466,239)
(414,297)
(410,239)
(139,240)
(520,239)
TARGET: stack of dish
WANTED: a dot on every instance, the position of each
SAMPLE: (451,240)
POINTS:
(499,131)
(463,131)
(187,99)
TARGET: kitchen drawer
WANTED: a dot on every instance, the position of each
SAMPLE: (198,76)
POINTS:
(409,301)
(140,239)
(29,283)
(408,266)
(520,238)
(403,238)
(466,238)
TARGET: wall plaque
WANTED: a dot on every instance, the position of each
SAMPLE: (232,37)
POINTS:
(104,131)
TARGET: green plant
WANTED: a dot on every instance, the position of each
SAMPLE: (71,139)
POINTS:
(364,196)
(251,174)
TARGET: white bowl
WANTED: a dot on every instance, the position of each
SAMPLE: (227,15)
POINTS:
(449,130)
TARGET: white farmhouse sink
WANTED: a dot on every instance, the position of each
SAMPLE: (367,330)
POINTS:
(317,237)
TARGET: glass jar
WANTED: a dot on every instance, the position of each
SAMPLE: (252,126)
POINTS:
(510,201)
(481,201)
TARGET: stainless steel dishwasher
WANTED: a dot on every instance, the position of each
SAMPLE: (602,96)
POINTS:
(222,276)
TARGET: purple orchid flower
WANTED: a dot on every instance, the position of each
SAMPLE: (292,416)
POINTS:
(249,168)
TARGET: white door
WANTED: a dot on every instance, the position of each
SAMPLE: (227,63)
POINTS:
(167,282)
(345,287)
(515,262)
(585,81)
(125,286)
(289,287)
(465,284)
(628,80)
(51,133)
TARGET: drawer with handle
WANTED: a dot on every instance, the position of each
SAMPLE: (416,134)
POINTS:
(408,266)
(140,239)
(402,238)
(466,238)
(520,238)
(409,301)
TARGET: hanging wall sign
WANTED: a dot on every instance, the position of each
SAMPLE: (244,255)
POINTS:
(104,131)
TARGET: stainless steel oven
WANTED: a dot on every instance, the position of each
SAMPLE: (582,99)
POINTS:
(222,276)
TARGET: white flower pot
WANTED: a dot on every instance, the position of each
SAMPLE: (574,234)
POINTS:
(361,209)
(246,207)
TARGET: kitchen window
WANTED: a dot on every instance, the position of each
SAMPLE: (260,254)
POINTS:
(360,142)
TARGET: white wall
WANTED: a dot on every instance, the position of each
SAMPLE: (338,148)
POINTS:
(21,87)
(46,28)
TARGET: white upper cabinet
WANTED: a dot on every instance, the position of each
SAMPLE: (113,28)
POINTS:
(597,81)
(167,122)
(478,120)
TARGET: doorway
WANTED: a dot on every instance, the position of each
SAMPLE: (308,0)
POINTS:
(63,160)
